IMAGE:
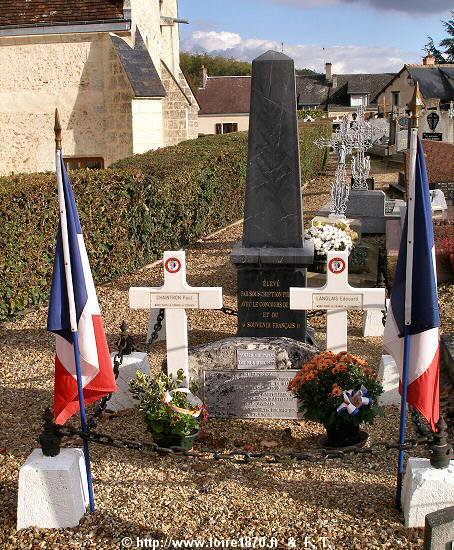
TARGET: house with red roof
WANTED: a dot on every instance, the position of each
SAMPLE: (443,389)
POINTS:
(224,100)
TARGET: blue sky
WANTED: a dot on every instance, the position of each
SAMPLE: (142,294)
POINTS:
(358,35)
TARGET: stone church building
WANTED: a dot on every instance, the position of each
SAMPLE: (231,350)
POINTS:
(110,66)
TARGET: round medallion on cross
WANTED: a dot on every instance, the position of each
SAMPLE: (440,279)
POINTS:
(336,265)
(173,265)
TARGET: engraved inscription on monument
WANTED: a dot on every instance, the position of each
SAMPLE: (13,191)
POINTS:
(264,302)
(337,301)
(250,394)
(174,300)
(256,359)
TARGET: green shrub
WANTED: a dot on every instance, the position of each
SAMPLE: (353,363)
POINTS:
(313,159)
(130,212)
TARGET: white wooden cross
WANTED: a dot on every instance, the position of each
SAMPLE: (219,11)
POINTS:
(337,296)
(175,296)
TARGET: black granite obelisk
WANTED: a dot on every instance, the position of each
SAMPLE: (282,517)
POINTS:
(273,254)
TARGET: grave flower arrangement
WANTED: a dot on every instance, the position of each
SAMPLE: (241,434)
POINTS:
(340,391)
(329,237)
(172,413)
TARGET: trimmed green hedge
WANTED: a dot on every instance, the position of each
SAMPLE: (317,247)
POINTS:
(130,212)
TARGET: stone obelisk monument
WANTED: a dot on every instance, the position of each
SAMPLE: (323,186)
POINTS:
(273,255)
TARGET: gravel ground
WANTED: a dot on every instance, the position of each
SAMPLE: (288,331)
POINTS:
(350,502)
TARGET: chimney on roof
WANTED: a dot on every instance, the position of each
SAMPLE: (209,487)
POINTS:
(204,76)
(429,59)
(329,72)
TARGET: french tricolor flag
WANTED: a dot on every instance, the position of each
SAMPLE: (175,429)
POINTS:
(418,274)
(73,301)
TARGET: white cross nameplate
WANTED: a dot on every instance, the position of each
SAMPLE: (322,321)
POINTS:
(175,296)
(337,296)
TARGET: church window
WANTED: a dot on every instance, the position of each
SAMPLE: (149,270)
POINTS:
(82,163)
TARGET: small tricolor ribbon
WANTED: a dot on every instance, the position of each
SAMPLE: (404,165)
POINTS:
(193,400)
(354,400)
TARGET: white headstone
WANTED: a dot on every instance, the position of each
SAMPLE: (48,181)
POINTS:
(438,201)
(175,296)
(122,399)
(337,296)
(53,490)
(388,376)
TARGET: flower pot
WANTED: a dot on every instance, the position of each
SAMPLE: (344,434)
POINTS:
(175,440)
(342,435)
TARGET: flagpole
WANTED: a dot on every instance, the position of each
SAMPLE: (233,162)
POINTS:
(416,105)
(72,306)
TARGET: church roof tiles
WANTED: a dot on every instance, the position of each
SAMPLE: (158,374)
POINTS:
(50,12)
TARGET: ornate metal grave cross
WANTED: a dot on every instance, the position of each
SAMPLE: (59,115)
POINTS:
(342,143)
(175,296)
(364,135)
(337,296)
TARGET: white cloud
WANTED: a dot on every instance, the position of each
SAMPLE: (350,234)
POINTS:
(345,59)
(402,6)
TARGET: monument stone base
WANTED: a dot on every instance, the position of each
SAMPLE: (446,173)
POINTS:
(425,490)
(53,491)
(122,398)
(265,276)
(244,353)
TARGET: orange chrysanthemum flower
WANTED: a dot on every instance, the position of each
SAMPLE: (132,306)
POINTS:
(336,390)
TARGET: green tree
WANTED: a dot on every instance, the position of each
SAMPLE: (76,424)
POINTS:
(431,48)
(191,65)
(447,44)
(304,72)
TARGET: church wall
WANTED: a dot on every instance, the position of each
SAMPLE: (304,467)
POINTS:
(118,97)
(170,37)
(147,125)
(146,14)
(70,72)
(180,114)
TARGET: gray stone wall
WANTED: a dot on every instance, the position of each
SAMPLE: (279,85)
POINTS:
(180,109)
(118,97)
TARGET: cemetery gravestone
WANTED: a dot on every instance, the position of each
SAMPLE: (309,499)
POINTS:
(250,394)
(273,254)
(337,296)
(175,296)
(248,377)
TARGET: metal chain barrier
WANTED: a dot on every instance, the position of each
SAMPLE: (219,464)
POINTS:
(157,326)
(234,312)
(52,434)
(229,311)
(421,427)
(311,455)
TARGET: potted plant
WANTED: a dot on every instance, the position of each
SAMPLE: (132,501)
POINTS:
(172,413)
(328,237)
(340,392)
